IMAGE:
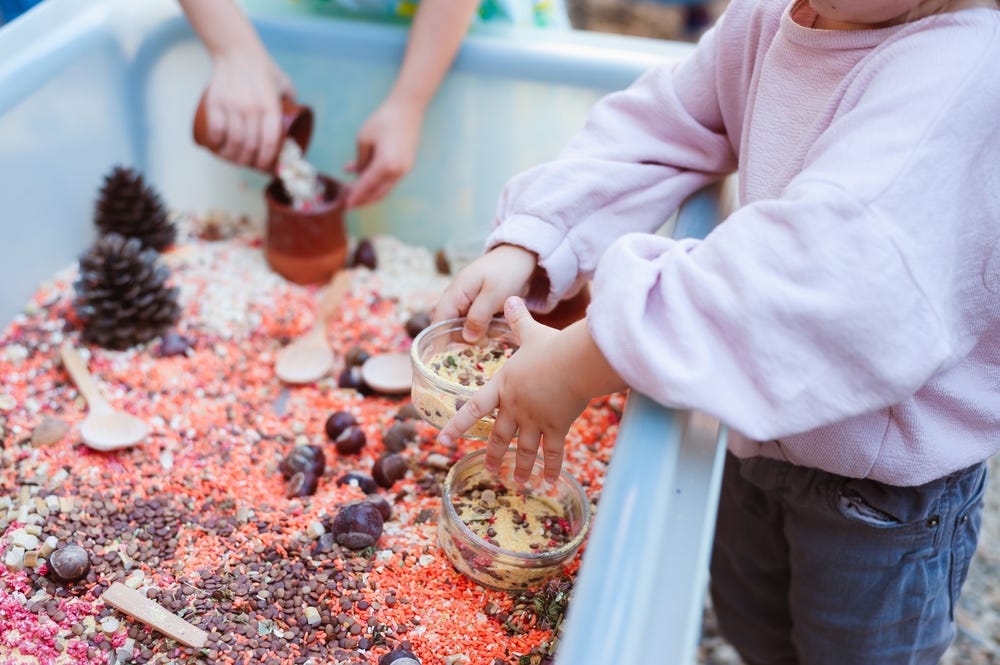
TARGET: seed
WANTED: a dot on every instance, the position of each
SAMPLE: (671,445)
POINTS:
(399,656)
(364,255)
(357,526)
(351,441)
(383,507)
(356,357)
(174,344)
(365,483)
(398,436)
(417,323)
(69,563)
(303,483)
(338,422)
(301,459)
(351,378)
(388,469)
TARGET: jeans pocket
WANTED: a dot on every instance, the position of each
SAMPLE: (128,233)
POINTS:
(965,537)
(906,521)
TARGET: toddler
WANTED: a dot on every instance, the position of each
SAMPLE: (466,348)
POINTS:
(844,321)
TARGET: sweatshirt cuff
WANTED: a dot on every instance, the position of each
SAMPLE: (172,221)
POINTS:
(555,257)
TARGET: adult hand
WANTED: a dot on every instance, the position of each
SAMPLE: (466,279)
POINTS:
(479,290)
(243,107)
(535,398)
(386,151)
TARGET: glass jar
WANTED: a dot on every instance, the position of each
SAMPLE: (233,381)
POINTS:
(502,568)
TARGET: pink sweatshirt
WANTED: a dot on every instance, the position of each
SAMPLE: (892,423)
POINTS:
(847,315)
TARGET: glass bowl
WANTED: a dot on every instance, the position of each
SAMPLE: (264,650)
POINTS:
(505,535)
(447,370)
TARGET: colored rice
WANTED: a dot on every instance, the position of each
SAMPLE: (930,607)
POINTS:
(197,515)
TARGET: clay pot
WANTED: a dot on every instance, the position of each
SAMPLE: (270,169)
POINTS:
(306,246)
(296,122)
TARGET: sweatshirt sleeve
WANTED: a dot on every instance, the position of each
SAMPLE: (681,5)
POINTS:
(848,292)
(641,153)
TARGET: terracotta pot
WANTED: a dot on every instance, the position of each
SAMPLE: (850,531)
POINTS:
(306,246)
(296,122)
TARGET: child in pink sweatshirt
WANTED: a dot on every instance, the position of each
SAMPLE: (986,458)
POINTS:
(844,321)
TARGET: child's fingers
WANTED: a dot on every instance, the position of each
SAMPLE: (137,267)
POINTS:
(553,444)
(482,403)
(504,430)
(479,315)
(527,451)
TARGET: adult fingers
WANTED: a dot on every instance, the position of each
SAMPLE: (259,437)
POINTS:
(270,134)
(235,137)
(248,150)
(482,403)
(363,188)
(216,124)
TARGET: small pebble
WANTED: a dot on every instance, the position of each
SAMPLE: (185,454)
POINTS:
(48,432)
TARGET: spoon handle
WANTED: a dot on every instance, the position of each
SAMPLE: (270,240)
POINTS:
(334,294)
(82,377)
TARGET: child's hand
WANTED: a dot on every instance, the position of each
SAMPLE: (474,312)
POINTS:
(386,151)
(536,394)
(243,108)
(479,290)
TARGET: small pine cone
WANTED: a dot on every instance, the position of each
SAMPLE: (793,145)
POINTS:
(121,293)
(129,207)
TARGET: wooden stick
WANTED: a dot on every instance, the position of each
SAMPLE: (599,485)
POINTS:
(154,615)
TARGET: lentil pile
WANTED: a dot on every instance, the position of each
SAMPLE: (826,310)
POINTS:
(201,518)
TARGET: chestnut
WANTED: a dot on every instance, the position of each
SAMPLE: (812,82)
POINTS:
(399,656)
(364,255)
(337,423)
(408,411)
(357,526)
(356,357)
(382,505)
(351,441)
(388,469)
(303,458)
(70,563)
(417,323)
(303,483)
(351,378)
(365,483)
(398,436)
(174,344)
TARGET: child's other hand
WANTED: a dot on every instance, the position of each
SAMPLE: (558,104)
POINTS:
(244,108)
(479,290)
(534,393)
(386,151)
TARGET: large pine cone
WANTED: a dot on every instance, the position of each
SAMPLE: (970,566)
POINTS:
(121,293)
(128,206)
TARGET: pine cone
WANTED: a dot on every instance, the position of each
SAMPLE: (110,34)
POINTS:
(121,293)
(128,206)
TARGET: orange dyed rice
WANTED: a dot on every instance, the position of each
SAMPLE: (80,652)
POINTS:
(220,423)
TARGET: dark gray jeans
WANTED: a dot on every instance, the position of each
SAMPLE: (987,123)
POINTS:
(811,568)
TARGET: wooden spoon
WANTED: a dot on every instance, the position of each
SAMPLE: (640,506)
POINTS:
(104,428)
(310,357)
